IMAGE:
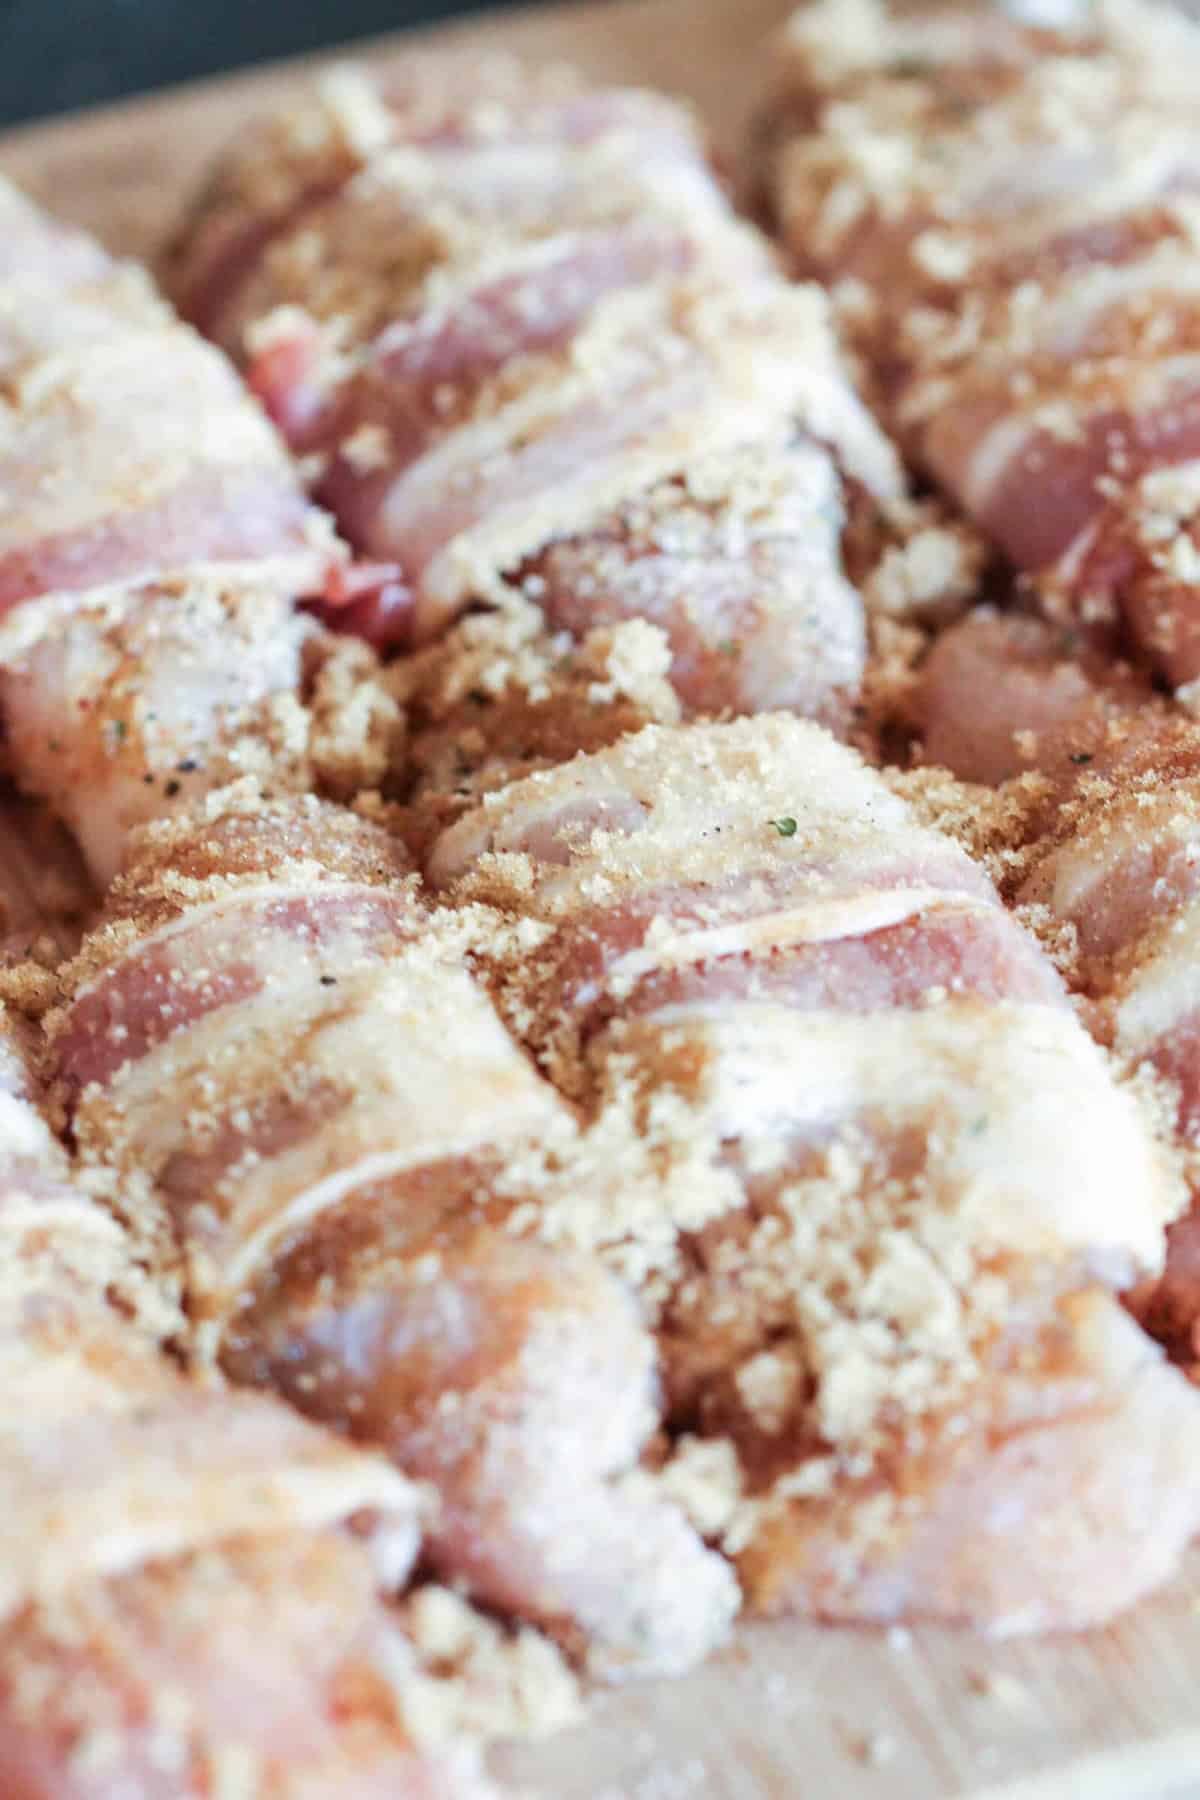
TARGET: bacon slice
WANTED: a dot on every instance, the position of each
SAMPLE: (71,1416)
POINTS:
(872,1078)
(153,538)
(1116,862)
(102,481)
(499,136)
(1009,212)
(271,1030)
(504,398)
(705,865)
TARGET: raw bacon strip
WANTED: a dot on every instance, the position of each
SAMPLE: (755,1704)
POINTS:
(271,1031)
(921,1181)
(716,557)
(496,322)
(1110,850)
(1010,216)
(682,856)
(161,1539)
(1117,863)
(499,135)
(153,539)
(103,481)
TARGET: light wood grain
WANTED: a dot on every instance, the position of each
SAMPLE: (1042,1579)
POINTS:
(791,1712)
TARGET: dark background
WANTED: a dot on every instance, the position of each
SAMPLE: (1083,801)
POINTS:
(59,54)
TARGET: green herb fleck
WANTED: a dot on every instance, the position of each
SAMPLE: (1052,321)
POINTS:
(1082,756)
(786,827)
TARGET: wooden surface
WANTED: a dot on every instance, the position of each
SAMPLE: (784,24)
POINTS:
(791,1712)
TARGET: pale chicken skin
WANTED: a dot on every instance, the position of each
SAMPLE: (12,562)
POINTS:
(1008,219)
(497,319)
(271,1029)
(162,1539)
(900,1310)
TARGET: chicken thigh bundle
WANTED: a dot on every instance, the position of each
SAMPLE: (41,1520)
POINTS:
(921,1183)
(276,1046)
(1008,218)
(525,348)
(162,1538)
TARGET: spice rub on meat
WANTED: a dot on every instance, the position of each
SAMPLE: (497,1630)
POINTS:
(1008,219)
(895,1334)
(275,1042)
(496,314)
(162,1538)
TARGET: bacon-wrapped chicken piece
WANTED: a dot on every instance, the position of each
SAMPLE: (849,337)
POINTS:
(923,1183)
(163,1540)
(528,350)
(152,543)
(334,1131)
(1008,215)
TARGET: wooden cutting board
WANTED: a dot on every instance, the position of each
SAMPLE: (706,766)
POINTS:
(790,1712)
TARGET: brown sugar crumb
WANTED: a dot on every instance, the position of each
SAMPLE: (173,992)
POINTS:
(930,565)
(500,697)
(704,1477)
(30,987)
(356,726)
(475,1678)
(991,824)
(890,681)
